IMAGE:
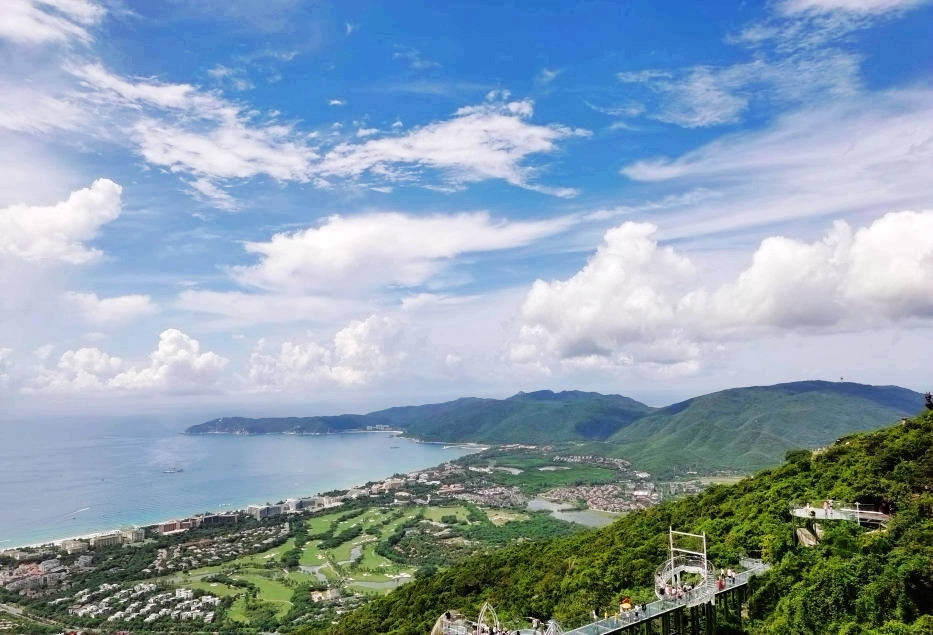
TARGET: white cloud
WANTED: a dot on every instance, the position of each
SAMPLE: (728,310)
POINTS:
(708,96)
(37,111)
(547,75)
(638,303)
(840,159)
(414,59)
(232,149)
(623,299)
(361,351)
(367,132)
(44,21)
(111,311)
(855,6)
(337,102)
(235,308)
(199,133)
(368,250)
(801,25)
(235,77)
(208,191)
(489,141)
(58,232)
(77,370)
(176,366)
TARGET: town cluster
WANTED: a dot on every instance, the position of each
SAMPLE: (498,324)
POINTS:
(37,572)
(611,497)
(144,601)
(215,550)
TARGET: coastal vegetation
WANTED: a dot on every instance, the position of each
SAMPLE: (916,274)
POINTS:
(855,581)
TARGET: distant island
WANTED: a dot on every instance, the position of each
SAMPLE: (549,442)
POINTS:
(739,429)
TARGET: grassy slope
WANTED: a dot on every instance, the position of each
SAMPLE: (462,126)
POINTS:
(855,582)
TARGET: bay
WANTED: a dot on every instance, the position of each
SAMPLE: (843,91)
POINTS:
(66,479)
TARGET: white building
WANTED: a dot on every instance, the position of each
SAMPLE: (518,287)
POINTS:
(107,540)
(74,546)
(133,534)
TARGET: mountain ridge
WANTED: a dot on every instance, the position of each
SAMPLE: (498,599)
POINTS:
(736,429)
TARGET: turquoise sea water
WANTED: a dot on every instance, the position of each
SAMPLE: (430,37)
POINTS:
(59,480)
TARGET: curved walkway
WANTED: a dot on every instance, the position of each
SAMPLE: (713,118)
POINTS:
(754,567)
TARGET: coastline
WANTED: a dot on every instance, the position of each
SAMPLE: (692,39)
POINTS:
(241,508)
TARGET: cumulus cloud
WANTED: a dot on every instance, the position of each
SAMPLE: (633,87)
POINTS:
(59,232)
(77,370)
(387,248)
(176,366)
(637,302)
(110,311)
(621,306)
(44,21)
(489,141)
(361,351)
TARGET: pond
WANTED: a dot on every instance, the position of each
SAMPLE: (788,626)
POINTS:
(563,511)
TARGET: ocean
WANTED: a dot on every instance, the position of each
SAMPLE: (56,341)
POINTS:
(59,480)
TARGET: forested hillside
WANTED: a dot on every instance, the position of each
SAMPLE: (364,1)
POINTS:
(536,417)
(749,429)
(742,429)
(855,581)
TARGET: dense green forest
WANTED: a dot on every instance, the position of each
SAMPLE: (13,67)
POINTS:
(741,429)
(855,581)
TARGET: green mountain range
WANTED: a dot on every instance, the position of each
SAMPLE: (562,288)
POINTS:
(855,581)
(738,429)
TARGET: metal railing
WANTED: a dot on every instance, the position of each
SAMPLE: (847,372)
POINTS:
(658,607)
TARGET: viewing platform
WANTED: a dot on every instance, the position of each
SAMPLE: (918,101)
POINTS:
(691,596)
(628,621)
(834,510)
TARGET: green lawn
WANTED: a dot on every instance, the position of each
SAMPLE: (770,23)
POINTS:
(216,588)
(436,513)
(270,591)
(237,611)
(310,555)
(499,517)
(372,560)
(321,523)
(533,480)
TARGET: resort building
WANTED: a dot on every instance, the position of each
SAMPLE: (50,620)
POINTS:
(107,540)
(74,546)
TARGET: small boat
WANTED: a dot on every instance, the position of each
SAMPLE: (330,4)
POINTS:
(172,470)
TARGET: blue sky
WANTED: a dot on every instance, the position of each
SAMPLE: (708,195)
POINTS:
(287,206)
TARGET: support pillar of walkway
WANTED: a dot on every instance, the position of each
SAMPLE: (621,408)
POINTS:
(666,624)
(710,610)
